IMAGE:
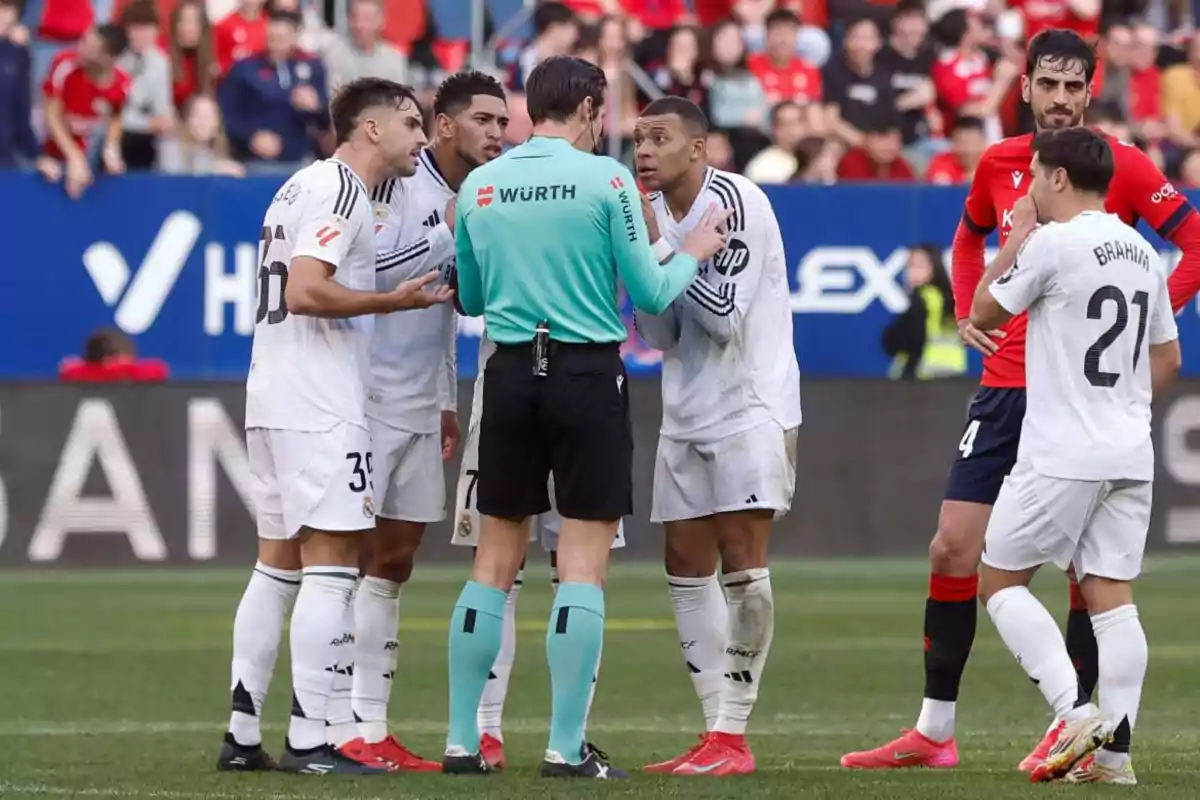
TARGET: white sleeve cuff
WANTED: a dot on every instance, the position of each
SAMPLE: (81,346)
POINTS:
(662,250)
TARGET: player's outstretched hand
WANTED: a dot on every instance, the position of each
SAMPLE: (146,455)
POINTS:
(983,341)
(411,294)
(704,240)
(651,219)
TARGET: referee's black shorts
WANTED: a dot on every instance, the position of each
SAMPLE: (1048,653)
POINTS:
(573,422)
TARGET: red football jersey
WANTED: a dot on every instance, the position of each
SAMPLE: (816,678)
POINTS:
(1042,14)
(960,80)
(798,82)
(945,168)
(236,37)
(86,104)
(1138,190)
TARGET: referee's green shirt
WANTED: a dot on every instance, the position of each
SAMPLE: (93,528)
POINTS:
(544,232)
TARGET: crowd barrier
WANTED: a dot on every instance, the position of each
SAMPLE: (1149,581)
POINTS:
(126,475)
(173,261)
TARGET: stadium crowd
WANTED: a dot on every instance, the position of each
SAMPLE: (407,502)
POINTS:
(815,91)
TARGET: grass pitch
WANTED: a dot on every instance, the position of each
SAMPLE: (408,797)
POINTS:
(115,685)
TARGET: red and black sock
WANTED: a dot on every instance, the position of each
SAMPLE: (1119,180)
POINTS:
(1081,643)
(950,617)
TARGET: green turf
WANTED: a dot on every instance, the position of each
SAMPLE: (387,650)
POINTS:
(115,685)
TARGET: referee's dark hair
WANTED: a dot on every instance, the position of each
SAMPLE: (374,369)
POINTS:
(455,93)
(1060,48)
(693,119)
(558,85)
(1081,153)
(350,101)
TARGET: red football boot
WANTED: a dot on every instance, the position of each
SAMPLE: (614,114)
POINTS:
(358,750)
(910,750)
(492,750)
(400,759)
(667,767)
(721,755)
(1035,759)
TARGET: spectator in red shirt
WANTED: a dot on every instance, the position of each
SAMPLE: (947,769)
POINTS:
(879,157)
(1081,16)
(1145,83)
(84,91)
(109,356)
(957,165)
(783,75)
(65,20)
(193,67)
(966,80)
(241,34)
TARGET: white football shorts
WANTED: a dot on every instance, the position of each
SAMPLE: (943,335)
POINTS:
(316,480)
(466,514)
(754,469)
(412,478)
(1099,526)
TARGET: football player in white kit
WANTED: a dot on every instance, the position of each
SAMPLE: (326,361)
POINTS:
(726,464)
(307,440)
(412,401)
(1102,343)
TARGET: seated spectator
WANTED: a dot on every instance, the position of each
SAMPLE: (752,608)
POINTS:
(966,80)
(736,102)
(193,64)
(17,142)
(858,90)
(968,141)
(240,35)
(276,103)
(84,95)
(1181,99)
(878,159)
(110,356)
(66,21)
(720,152)
(1113,69)
(812,42)
(782,74)
(149,111)
(614,56)
(680,73)
(1145,83)
(363,51)
(908,58)
(778,163)
(313,36)
(651,23)
(1189,170)
(199,146)
(1081,16)
(555,30)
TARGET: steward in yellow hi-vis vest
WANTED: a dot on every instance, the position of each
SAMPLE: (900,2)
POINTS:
(923,341)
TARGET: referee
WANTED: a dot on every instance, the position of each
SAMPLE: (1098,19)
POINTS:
(543,235)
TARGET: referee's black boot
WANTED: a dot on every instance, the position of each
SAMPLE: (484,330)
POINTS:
(594,765)
(460,762)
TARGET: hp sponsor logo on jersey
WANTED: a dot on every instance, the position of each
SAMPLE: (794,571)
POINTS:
(733,259)
(139,294)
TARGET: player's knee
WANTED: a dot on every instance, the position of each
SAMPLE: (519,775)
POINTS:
(1104,594)
(956,547)
(395,548)
(742,539)
(689,556)
(281,554)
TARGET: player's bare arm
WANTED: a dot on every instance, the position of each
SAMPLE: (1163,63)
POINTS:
(311,291)
(114,162)
(986,312)
(1165,361)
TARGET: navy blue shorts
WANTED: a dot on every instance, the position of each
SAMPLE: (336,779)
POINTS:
(987,450)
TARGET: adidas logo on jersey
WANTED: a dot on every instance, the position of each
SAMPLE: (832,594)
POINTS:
(432,221)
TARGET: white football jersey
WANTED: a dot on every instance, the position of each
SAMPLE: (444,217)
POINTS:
(309,373)
(1096,293)
(413,354)
(729,360)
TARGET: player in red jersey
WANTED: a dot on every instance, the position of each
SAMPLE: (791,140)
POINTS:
(1058,73)
(84,90)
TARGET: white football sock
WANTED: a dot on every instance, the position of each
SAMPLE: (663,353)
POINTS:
(376,650)
(751,629)
(257,629)
(1124,656)
(702,620)
(491,705)
(319,639)
(340,725)
(1031,634)
(936,720)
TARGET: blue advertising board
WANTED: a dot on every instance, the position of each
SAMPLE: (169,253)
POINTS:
(172,261)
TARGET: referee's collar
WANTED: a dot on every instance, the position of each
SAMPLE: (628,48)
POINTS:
(539,140)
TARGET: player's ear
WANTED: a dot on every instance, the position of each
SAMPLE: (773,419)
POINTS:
(1025,87)
(443,126)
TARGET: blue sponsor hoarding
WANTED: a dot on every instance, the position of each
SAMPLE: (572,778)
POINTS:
(172,261)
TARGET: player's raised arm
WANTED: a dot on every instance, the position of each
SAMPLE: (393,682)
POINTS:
(1010,287)
(718,303)
(1168,212)
(415,258)
(1165,355)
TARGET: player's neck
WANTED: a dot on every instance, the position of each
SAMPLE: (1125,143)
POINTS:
(562,130)
(682,196)
(369,167)
(1077,205)
(453,169)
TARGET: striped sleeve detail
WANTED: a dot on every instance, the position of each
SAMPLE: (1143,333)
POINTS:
(718,302)
(384,191)
(396,258)
(731,198)
(348,193)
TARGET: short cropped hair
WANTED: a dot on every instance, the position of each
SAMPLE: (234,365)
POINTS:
(781,16)
(455,93)
(356,97)
(552,13)
(970,124)
(113,38)
(1083,154)
(558,85)
(693,119)
(1062,47)
(140,12)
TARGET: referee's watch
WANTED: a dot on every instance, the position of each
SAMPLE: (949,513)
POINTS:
(662,250)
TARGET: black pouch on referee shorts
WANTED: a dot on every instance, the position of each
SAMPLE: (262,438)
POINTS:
(541,350)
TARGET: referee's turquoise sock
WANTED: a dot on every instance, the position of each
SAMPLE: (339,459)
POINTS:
(475,629)
(573,641)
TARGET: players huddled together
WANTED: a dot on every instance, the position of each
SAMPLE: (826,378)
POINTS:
(353,368)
